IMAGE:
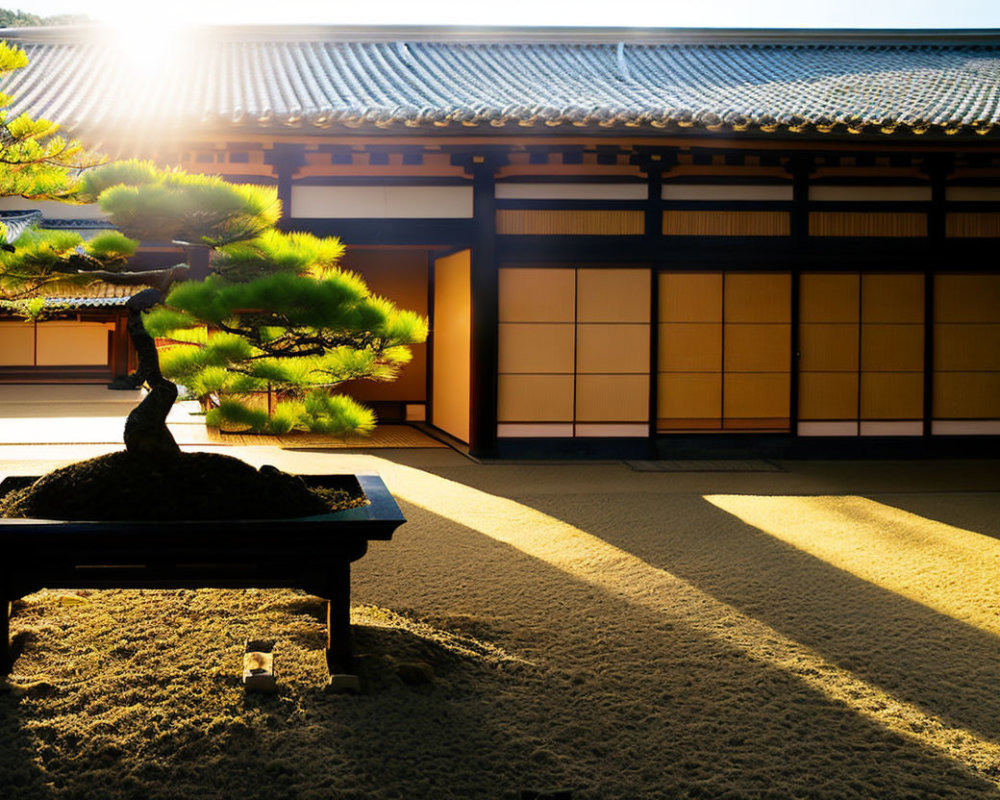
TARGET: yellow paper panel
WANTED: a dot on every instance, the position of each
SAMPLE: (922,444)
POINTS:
(72,344)
(690,346)
(892,395)
(829,298)
(537,295)
(892,298)
(892,348)
(612,348)
(758,297)
(967,347)
(828,395)
(613,295)
(828,347)
(452,343)
(967,395)
(689,396)
(535,398)
(690,297)
(612,398)
(758,348)
(757,395)
(967,298)
(539,347)
(17,344)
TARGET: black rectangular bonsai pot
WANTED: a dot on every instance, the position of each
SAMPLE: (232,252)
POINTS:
(311,553)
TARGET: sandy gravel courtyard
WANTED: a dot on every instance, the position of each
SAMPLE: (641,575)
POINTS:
(829,630)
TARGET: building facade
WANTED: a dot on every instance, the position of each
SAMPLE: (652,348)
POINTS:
(627,242)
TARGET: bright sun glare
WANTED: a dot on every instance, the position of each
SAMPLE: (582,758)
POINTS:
(145,55)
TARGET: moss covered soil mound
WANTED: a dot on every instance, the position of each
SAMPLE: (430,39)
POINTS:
(121,486)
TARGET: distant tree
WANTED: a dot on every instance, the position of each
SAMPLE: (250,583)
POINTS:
(23,19)
(38,164)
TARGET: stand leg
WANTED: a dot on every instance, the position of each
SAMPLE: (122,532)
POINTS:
(5,652)
(339,657)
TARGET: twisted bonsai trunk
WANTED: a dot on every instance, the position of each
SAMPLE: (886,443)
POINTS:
(146,432)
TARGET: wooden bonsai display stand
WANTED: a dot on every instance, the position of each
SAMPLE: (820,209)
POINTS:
(309,553)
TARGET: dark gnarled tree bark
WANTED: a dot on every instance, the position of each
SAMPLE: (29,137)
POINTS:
(146,432)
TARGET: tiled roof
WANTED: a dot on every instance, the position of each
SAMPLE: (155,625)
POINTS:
(315,79)
(93,295)
(17,222)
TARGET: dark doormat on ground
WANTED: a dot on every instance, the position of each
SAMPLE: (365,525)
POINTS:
(705,465)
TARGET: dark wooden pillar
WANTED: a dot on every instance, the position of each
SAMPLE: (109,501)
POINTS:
(937,168)
(654,164)
(199,259)
(285,160)
(800,169)
(483,166)
(120,348)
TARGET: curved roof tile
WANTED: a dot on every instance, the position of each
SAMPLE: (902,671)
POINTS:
(250,79)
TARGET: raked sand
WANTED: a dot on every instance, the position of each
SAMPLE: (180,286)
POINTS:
(828,631)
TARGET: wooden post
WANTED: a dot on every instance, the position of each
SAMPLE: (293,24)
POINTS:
(199,258)
(5,650)
(339,654)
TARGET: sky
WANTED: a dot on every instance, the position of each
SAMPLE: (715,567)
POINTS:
(651,13)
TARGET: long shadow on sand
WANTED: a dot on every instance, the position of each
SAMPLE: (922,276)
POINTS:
(637,703)
(946,667)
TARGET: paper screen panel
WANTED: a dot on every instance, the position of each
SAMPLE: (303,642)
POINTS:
(535,398)
(537,295)
(829,297)
(967,395)
(17,344)
(892,395)
(753,297)
(690,346)
(828,395)
(536,347)
(760,396)
(892,298)
(611,348)
(612,398)
(888,348)
(758,348)
(688,399)
(613,295)
(690,297)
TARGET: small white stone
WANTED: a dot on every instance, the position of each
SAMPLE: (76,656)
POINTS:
(258,672)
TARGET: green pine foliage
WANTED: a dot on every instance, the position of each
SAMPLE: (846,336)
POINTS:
(293,329)
(155,205)
(45,262)
(37,162)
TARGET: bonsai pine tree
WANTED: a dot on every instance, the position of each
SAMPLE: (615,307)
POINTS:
(148,203)
(278,313)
